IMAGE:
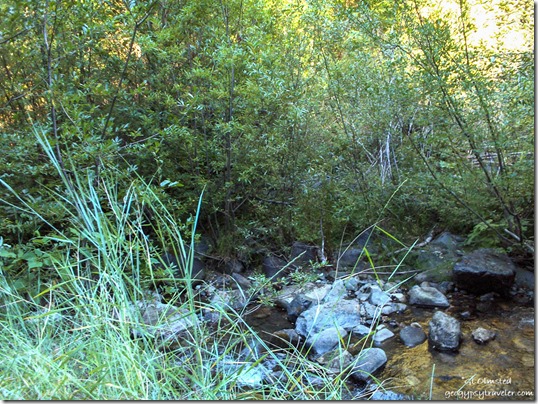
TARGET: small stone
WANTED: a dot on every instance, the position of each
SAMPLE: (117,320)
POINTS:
(483,336)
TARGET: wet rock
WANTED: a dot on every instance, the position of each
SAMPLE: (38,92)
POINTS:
(303,254)
(299,304)
(485,270)
(427,297)
(288,335)
(444,332)
(382,334)
(326,340)
(367,363)
(412,335)
(483,336)
(274,267)
(319,317)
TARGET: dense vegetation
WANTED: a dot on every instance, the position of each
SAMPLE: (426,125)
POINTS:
(297,120)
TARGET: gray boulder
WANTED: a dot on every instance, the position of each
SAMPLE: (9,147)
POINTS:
(412,335)
(164,322)
(337,293)
(350,259)
(485,270)
(444,332)
(345,314)
(326,340)
(299,304)
(273,267)
(303,254)
(426,296)
(367,363)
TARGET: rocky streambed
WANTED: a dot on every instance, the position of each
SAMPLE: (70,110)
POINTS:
(463,329)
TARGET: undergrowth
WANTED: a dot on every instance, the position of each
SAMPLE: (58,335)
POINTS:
(73,338)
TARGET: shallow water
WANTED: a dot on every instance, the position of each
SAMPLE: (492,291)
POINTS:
(502,369)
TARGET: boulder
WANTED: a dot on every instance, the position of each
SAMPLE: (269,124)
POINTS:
(345,314)
(299,304)
(233,266)
(412,335)
(367,363)
(350,259)
(163,322)
(337,293)
(483,336)
(326,340)
(273,267)
(444,332)
(336,360)
(485,270)
(303,254)
(426,296)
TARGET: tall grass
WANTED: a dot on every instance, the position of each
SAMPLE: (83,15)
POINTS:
(78,342)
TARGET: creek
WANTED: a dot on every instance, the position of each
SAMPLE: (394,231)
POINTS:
(502,369)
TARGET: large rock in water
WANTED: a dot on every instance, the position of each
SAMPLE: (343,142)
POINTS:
(412,335)
(368,361)
(485,270)
(445,332)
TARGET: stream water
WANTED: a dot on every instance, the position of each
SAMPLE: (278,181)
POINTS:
(502,369)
